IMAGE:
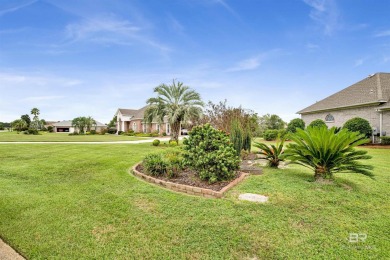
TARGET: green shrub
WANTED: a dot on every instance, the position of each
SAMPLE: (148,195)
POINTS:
(318,123)
(50,129)
(273,153)
(120,133)
(294,124)
(175,163)
(87,133)
(270,135)
(92,132)
(208,151)
(359,125)
(155,165)
(156,142)
(326,152)
(282,134)
(236,136)
(31,132)
(385,140)
(164,134)
(173,143)
(111,130)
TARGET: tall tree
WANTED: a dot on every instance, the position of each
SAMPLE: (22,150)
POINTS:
(112,122)
(26,119)
(178,102)
(36,124)
(271,122)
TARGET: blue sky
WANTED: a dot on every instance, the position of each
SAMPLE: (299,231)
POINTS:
(88,58)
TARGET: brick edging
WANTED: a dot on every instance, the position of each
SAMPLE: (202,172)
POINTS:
(208,193)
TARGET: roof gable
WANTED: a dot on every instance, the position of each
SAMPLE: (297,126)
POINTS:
(373,90)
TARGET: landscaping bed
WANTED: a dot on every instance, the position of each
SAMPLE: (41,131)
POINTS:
(190,178)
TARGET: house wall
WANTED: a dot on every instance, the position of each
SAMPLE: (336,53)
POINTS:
(341,116)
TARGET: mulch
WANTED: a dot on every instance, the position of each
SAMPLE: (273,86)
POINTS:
(189,177)
(376,146)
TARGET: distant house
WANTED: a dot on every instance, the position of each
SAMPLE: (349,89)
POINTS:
(368,99)
(66,127)
(133,119)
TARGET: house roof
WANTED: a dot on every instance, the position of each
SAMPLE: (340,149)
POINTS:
(135,113)
(373,90)
(68,123)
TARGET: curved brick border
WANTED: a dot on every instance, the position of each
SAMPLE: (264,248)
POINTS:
(186,188)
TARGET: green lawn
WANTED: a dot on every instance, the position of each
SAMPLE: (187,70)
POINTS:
(78,201)
(62,137)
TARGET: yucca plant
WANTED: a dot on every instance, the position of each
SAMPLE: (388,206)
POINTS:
(272,153)
(327,152)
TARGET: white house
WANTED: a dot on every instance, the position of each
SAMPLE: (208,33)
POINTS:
(66,127)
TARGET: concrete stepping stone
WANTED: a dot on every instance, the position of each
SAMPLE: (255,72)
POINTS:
(253,197)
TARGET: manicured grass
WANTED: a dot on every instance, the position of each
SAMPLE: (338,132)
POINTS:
(63,137)
(78,201)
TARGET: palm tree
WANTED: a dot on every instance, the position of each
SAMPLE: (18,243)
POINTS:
(36,123)
(79,123)
(327,152)
(19,124)
(89,122)
(178,102)
(273,153)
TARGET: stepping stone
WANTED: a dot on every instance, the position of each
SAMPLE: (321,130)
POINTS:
(253,197)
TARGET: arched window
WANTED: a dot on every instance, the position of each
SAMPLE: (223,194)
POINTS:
(329,118)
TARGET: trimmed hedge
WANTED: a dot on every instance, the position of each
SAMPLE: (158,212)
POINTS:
(360,125)
(385,140)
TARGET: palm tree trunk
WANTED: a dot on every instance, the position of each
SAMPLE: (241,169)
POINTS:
(175,131)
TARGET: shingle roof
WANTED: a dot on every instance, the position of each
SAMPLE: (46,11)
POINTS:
(374,89)
(68,123)
(135,113)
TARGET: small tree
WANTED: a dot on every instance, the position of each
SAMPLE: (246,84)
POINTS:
(327,152)
(27,119)
(294,124)
(79,123)
(318,123)
(272,153)
(19,124)
(36,123)
(237,136)
(359,125)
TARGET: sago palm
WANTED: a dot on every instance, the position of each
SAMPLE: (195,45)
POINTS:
(272,153)
(327,152)
(177,102)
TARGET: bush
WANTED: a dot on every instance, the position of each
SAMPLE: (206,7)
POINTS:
(156,142)
(92,132)
(164,134)
(294,124)
(169,163)
(31,132)
(209,152)
(111,130)
(173,143)
(359,125)
(273,153)
(282,134)
(270,135)
(318,123)
(326,152)
(74,133)
(120,132)
(385,140)
(155,165)
(50,129)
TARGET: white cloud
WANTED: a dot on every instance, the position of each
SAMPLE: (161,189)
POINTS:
(383,33)
(227,7)
(254,62)
(358,62)
(312,46)
(16,7)
(326,13)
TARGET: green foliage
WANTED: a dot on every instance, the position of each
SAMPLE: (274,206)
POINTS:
(270,135)
(236,136)
(360,125)
(271,122)
(318,123)
(294,124)
(272,153)
(1,126)
(112,123)
(169,163)
(385,140)
(209,152)
(327,152)
(111,130)
(156,142)
(19,125)
(247,141)
(31,131)
(178,102)
(155,165)
(173,143)
(27,119)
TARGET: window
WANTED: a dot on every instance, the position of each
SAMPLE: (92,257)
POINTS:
(168,129)
(158,128)
(144,128)
(135,127)
(329,118)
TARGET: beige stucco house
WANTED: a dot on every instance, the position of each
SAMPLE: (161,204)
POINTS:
(133,119)
(66,127)
(368,99)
